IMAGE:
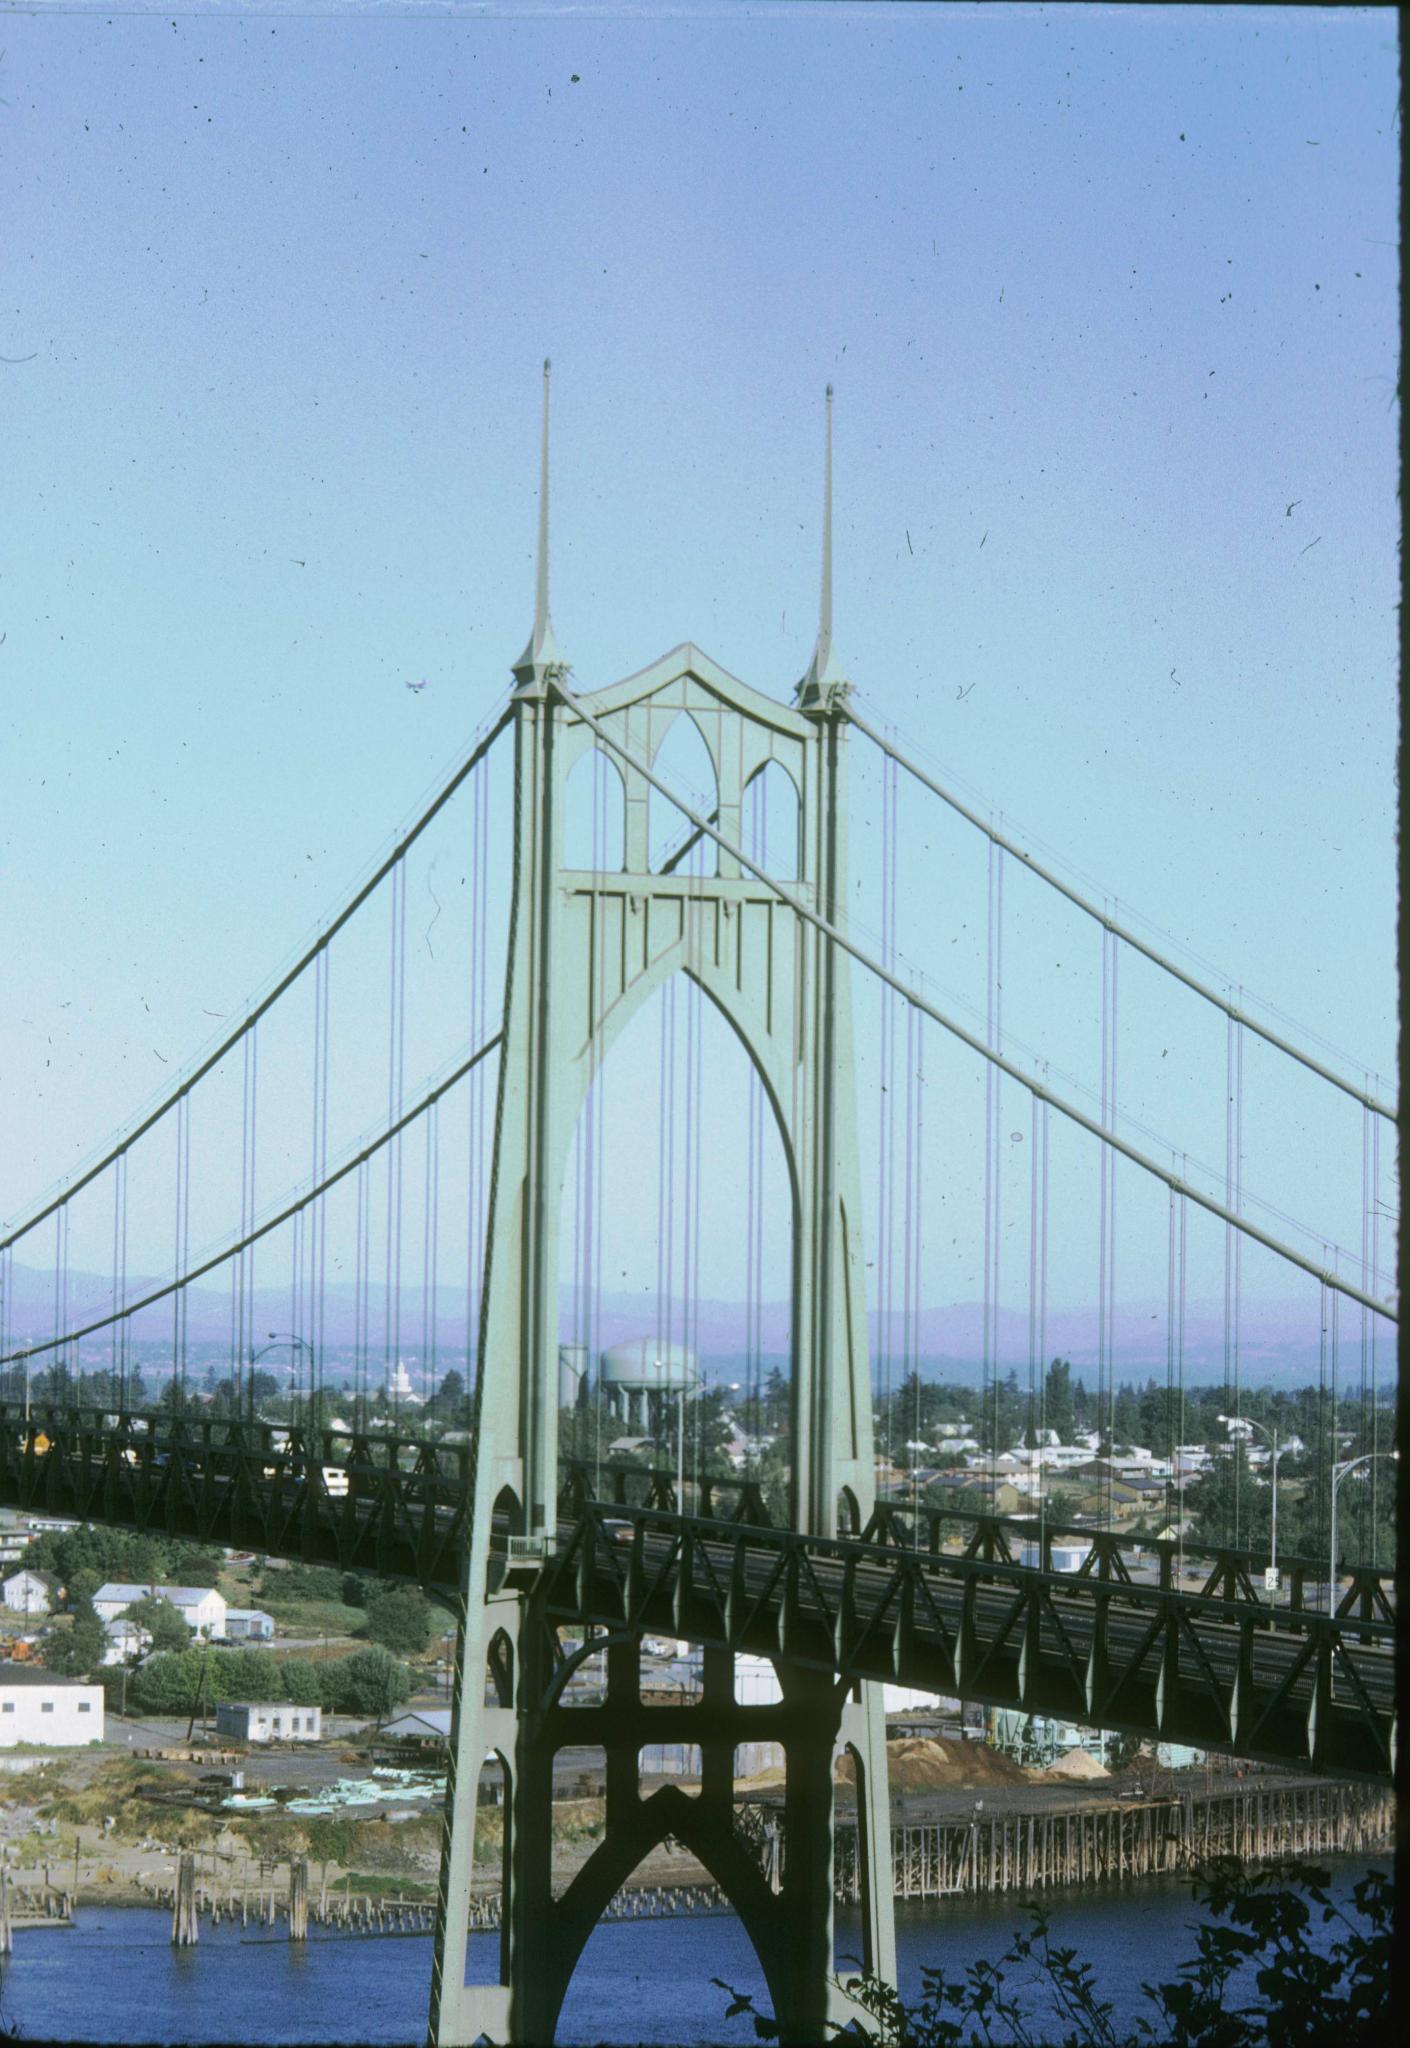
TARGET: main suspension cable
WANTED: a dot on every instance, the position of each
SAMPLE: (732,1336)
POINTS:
(1123,932)
(957,1030)
(282,1216)
(266,1002)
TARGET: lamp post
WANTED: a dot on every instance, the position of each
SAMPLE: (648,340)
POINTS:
(1235,1424)
(277,1339)
(1339,1473)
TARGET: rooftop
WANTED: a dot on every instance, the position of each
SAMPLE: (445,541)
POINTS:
(33,1674)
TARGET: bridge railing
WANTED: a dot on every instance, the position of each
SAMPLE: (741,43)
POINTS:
(1182,1665)
(349,1497)
(1222,1570)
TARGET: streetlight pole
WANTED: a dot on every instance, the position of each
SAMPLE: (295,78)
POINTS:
(277,1339)
(1339,1473)
(1234,1424)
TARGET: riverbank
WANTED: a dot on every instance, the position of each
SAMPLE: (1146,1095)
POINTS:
(114,1978)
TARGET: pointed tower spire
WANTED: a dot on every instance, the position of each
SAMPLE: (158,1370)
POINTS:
(542,657)
(823,674)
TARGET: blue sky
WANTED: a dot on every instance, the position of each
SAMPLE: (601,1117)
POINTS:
(1109,299)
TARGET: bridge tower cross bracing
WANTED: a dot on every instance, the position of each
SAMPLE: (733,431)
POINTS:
(587,949)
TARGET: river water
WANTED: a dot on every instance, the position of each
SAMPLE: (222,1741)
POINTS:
(115,1978)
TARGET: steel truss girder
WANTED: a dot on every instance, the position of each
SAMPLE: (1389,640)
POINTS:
(1290,1688)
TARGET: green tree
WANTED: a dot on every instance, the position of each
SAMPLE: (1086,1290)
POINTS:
(299,1682)
(449,1403)
(77,1651)
(400,1620)
(162,1621)
(1228,1504)
(82,1584)
(168,1683)
(370,1681)
(1058,1404)
(194,1565)
(303,1582)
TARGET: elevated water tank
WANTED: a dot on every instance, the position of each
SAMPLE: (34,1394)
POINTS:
(642,1363)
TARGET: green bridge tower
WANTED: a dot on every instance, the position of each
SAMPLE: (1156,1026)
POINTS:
(586,949)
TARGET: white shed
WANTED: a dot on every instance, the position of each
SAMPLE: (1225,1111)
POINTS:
(268,1721)
(41,1707)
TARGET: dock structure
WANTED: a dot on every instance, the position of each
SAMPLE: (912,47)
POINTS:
(1107,1841)
(1101,1840)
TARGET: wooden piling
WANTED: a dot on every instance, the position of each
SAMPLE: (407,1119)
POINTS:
(298,1898)
(184,1926)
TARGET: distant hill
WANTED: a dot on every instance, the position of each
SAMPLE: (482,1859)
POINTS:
(1278,1339)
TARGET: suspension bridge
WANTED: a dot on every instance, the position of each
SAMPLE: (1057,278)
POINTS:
(678,846)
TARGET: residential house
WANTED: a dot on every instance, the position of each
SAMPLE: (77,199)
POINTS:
(202,1608)
(127,1640)
(29,1593)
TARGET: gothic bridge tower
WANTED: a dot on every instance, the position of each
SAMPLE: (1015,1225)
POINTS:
(587,948)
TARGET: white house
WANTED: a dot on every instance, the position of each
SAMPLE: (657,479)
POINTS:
(125,1639)
(200,1607)
(268,1721)
(248,1625)
(39,1706)
(27,1592)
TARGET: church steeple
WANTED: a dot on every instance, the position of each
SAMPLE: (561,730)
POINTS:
(542,657)
(823,674)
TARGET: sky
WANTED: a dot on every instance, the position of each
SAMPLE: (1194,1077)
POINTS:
(1108,296)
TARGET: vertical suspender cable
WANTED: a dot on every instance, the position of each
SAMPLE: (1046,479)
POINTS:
(910,1373)
(1111,1182)
(1367,1420)
(664,1190)
(669,1303)
(1171,1440)
(886,1196)
(183,1228)
(60,1369)
(125,1352)
(113,1372)
(431,1203)
(320,1335)
(360,1300)
(1104,1175)
(987,1365)
(998,1154)
(395,1079)
(1326,1431)
(1236,1455)
(1043,1286)
(1179,1367)
(598,1128)
(1237,1333)
(1336,1379)
(1375,1268)
(1033,1431)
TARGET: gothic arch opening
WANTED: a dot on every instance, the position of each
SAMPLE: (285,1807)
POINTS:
(594,815)
(676,1263)
(772,822)
(743,1937)
(683,762)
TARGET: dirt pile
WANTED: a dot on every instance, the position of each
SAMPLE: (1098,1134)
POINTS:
(1077,1763)
(920,1764)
